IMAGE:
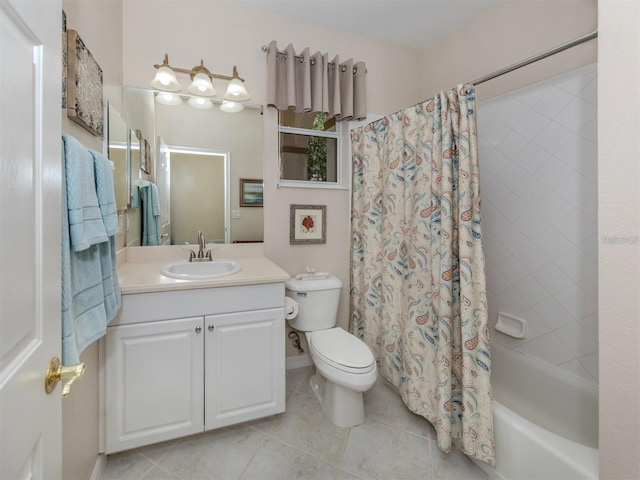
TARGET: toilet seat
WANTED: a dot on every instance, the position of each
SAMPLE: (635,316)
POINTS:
(342,350)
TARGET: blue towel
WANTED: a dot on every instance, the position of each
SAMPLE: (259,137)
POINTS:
(147,198)
(90,289)
(86,226)
(110,284)
(105,192)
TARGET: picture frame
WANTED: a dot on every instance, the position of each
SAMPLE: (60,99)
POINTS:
(85,104)
(146,161)
(251,192)
(142,152)
(308,224)
(65,60)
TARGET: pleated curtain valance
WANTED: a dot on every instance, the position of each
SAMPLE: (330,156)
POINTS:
(310,83)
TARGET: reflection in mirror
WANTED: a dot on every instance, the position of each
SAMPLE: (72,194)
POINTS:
(197,189)
(205,172)
(117,153)
(134,162)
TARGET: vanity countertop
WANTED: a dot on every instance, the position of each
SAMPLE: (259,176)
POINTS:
(139,269)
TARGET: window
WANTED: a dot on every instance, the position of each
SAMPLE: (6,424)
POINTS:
(309,149)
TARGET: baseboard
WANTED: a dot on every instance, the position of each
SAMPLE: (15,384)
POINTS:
(98,468)
(298,361)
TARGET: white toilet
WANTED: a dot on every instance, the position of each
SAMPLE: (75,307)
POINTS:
(345,366)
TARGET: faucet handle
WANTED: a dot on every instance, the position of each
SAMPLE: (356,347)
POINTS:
(192,254)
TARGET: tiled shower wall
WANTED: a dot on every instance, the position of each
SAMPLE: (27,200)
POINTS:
(538,170)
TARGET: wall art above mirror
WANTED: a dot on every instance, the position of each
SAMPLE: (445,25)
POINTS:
(199,156)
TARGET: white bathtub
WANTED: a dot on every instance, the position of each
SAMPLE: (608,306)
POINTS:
(545,420)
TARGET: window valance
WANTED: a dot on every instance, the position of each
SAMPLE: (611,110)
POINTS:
(312,83)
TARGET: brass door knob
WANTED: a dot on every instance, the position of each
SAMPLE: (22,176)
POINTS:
(56,372)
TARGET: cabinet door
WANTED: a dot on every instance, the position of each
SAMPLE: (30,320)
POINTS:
(154,382)
(244,366)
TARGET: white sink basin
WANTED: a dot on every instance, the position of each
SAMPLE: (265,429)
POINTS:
(200,270)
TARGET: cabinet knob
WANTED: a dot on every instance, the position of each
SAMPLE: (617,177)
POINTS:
(210,327)
(198,329)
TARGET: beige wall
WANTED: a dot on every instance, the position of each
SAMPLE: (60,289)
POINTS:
(93,20)
(506,34)
(619,263)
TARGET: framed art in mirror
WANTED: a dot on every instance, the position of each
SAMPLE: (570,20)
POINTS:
(308,224)
(145,161)
(84,86)
(251,192)
(64,60)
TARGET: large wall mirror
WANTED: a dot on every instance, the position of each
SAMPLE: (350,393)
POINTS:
(201,161)
(117,153)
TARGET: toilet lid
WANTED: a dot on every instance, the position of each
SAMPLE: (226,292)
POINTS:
(340,348)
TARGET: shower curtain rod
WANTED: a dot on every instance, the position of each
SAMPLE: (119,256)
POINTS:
(535,58)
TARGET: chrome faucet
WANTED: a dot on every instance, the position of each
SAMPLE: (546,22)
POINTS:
(202,255)
(201,244)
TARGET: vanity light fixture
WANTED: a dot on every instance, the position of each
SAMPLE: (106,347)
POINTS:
(168,98)
(231,107)
(201,84)
(200,102)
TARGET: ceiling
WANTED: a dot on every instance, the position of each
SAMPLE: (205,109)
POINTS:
(414,23)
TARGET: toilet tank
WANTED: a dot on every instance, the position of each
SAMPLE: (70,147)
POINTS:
(317,299)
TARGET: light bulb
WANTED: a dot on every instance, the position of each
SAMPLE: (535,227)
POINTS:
(231,107)
(201,103)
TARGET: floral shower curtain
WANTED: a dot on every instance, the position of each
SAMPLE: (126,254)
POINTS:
(418,284)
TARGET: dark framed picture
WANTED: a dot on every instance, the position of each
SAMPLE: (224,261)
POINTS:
(84,86)
(145,162)
(65,59)
(143,152)
(308,224)
(251,192)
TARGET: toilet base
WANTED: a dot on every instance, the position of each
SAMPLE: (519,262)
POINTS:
(344,407)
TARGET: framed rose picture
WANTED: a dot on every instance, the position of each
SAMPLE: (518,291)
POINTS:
(308,224)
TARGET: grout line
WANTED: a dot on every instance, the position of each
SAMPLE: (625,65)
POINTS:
(264,440)
(163,470)
(428,426)
(311,454)
(344,446)
(140,451)
(153,465)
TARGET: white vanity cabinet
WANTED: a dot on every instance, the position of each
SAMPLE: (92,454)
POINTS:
(244,366)
(181,362)
(154,378)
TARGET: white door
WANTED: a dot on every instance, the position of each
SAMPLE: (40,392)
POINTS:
(163,177)
(30,169)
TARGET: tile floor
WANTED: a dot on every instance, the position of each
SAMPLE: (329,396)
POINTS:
(393,443)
